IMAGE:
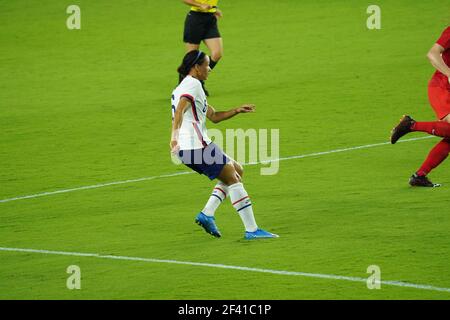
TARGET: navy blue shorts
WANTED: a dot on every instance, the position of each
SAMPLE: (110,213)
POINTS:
(209,160)
(199,26)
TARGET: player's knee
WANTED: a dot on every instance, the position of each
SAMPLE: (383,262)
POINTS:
(231,179)
(216,56)
(239,169)
(229,174)
(191,47)
(236,179)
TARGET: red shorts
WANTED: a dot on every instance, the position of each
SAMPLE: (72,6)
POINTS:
(440,100)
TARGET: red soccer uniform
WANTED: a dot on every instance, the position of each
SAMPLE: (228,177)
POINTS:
(439,87)
(440,79)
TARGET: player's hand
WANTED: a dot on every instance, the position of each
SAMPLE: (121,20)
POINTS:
(245,108)
(174,147)
(448,78)
(205,6)
(218,14)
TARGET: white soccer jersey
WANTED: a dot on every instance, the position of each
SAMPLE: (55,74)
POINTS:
(193,132)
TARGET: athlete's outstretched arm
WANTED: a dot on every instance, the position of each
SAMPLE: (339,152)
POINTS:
(434,55)
(217,116)
(177,121)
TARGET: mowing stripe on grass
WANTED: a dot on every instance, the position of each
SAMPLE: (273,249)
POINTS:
(224,266)
(43,194)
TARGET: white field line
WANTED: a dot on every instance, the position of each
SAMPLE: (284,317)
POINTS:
(336,151)
(223,266)
(43,194)
(95,186)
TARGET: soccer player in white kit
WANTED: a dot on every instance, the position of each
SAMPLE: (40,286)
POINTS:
(191,144)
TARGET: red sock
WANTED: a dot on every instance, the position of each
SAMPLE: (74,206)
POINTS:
(436,128)
(435,157)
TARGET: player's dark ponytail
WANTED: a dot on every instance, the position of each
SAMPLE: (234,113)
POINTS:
(189,61)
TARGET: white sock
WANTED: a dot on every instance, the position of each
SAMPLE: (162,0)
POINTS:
(219,194)
(243,205)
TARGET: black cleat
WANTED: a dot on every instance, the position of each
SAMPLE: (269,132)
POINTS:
(422,181)
(402,128)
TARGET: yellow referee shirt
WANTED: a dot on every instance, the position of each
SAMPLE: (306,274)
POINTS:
(212,3)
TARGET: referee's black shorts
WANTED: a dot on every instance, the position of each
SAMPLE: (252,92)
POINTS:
(199,26)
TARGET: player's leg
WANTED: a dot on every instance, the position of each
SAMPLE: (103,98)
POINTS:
(215,46)
(242,202)
(238,196)
(191,46)
(407,124)
(435,128)
(214,162)
(193,31)
(218,195)
(436,156)
(440,102)
(213,41)
(220,192)
(239,169)
(206,217)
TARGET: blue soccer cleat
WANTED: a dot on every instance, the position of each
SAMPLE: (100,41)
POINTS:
(208,223)
(259,234)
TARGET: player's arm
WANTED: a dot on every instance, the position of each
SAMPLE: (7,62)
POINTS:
(217,116)
(435,57)
(194,3)
(177,121)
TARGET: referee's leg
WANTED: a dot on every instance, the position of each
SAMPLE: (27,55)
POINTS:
(215,46)
(193,32)
(191,46)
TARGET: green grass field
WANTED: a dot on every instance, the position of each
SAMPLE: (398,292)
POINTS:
(92,106)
